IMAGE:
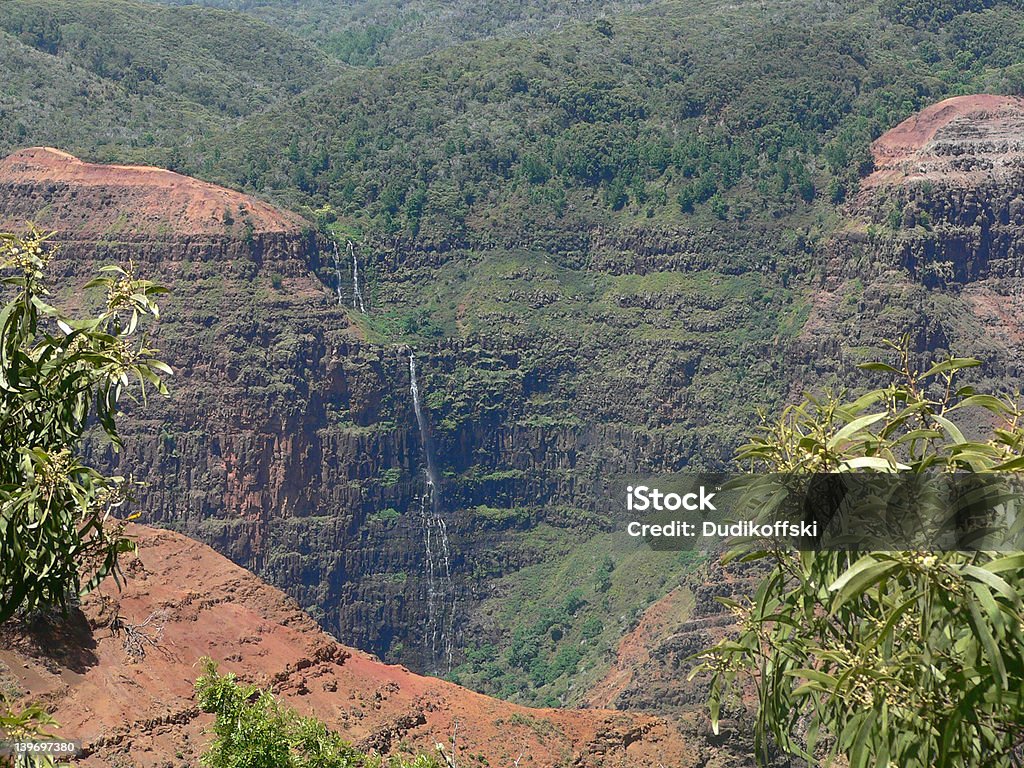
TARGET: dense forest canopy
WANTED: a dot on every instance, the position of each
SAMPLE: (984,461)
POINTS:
(668,112)
(739,112)
(375,32)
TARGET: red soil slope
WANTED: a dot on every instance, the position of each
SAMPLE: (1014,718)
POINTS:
(962,140)
(142,710)
(127,199)
(660,620)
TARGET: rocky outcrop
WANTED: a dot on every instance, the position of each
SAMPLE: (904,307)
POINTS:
(155,218)
(98,201)
(138,710)
(932,245)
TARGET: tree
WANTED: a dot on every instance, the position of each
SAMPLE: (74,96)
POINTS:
(58,377)
(889,658)
(255,730)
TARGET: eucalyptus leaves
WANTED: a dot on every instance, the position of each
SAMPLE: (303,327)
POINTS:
(58,376)
(886,658)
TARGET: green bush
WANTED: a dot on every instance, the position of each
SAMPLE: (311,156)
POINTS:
(59,375)
(253,729)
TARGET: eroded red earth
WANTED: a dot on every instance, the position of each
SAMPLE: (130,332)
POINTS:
(144,709)
(128,200)
(963,140)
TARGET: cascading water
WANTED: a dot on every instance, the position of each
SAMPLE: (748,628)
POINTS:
(421,422)
(441,601)
(337,273)
(357,291)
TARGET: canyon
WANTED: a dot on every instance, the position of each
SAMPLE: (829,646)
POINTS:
(292,442)
(404,486)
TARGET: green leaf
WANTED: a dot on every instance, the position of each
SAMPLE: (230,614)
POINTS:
(984,634)
(1012,465)
(989,578)
(873,462)
(858,577)
(951,429)
(817,676)
(988,402)
(1003,564)
(950,365)
(854,427)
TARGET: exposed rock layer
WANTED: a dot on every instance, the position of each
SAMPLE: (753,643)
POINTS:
(143,710)
(290,443)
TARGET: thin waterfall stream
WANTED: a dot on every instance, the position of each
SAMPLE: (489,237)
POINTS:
(441,600)
(357,291)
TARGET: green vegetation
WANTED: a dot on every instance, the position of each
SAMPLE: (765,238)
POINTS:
(30,723)
(613,223)
(384,517)
(253,729)
(58,375)
(217,60)
(561,619)
(129,80)
(887,658)
(373,32)
(932,13)
(390,476)
(637,118)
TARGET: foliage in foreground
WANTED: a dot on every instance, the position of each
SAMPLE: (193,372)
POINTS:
(253,729)
(30,723)
(59,375)
(888,658)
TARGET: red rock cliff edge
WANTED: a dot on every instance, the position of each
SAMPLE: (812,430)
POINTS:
(142,711)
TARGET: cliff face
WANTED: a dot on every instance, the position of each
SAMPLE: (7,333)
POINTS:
(129,709)
(933,244)
(290,443)
(947,193)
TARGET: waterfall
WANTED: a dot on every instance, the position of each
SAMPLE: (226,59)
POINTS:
(421,422)
(441,600)
(337,273)
(357,292)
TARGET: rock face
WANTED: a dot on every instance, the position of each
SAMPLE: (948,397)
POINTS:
(965,141)
(948,192)
(933,244)
(139,711)
(653,660)
(290,443)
